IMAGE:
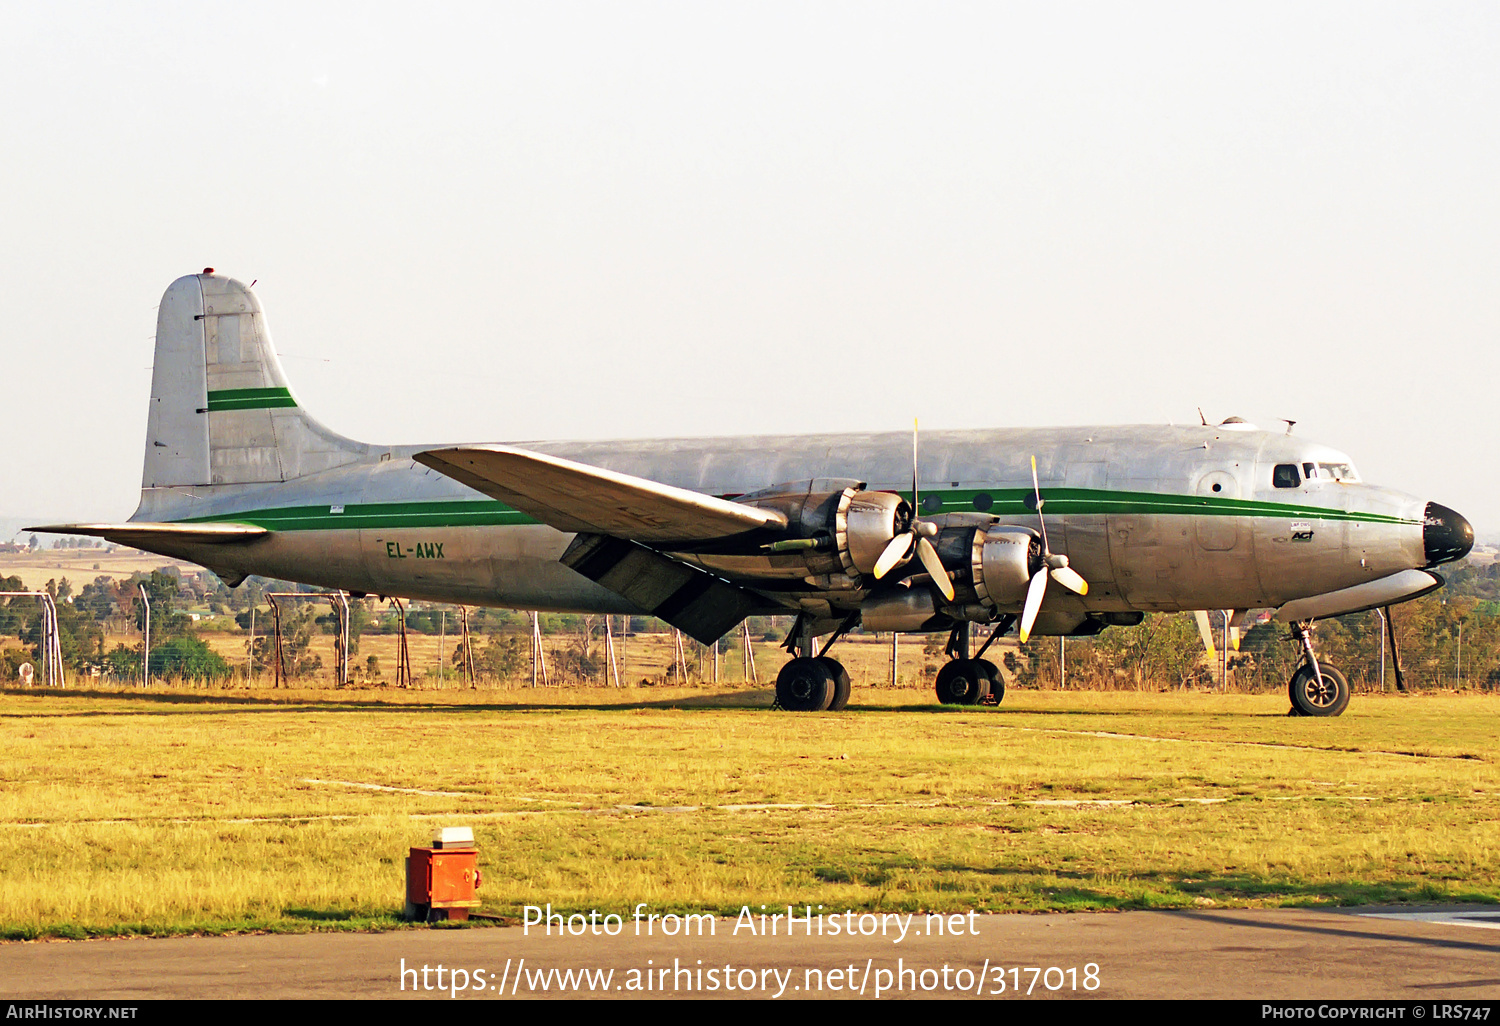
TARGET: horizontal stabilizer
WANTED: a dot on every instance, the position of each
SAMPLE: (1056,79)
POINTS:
(151,536)
(697,603)
(576,497)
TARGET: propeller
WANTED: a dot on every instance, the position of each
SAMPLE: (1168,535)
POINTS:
(1053,565)
(917,536)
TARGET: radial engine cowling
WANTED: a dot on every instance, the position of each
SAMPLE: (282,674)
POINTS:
(853,525)
(865,524)
(1003,561)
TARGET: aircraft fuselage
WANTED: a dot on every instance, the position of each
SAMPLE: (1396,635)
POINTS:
(1155,518)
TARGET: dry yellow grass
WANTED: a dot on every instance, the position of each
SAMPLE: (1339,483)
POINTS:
(192,810)
(35,569)
(639,658)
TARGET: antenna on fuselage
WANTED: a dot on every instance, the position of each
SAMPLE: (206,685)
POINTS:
(1201,418)
(1289,424)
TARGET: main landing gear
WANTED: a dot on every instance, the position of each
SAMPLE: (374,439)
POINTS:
(1315,689)
(810,683)
(966,680)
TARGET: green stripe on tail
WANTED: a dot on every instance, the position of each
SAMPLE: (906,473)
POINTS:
(250,399)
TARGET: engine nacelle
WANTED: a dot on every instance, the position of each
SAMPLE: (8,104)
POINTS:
(853,525)
(1003,561)
(909,609)
(865,524)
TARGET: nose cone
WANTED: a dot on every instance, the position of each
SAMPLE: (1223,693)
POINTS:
(1446,536)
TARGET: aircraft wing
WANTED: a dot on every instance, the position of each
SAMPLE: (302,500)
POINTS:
(577,497)
(150,536)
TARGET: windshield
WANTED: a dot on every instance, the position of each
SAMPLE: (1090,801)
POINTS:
(1337,471)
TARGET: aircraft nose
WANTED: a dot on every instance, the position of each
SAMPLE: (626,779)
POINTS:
(1446,536)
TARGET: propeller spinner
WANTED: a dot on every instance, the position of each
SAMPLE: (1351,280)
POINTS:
(1053,565)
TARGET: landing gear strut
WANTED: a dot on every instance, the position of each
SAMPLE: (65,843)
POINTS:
(971,681)
(1315,689)
(811,683)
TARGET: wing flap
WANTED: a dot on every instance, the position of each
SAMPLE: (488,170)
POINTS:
(696,603)
(577,497)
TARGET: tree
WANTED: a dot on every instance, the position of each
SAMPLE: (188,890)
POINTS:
(189,658)
(502,658)
(297,625)
(1164,649)
(122,664)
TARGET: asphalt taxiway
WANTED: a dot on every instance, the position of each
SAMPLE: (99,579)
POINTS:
(1408,953)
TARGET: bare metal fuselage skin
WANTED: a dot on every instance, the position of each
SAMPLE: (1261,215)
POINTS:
(240,478)
(1154,518)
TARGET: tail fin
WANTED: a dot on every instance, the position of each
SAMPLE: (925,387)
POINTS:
(221,410)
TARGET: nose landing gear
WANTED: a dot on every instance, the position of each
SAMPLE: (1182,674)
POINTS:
(1315,689)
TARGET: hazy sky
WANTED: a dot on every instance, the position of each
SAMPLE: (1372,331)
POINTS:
(498,222)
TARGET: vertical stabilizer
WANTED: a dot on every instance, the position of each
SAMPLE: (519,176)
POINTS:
(222,412)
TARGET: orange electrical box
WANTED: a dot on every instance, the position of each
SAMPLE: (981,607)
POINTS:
(442,882)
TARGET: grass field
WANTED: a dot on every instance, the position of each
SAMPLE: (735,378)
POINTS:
(80,566)
(178,811)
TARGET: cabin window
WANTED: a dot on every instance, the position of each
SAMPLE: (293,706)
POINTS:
(1285,476)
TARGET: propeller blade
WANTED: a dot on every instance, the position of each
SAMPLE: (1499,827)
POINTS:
(1071,579)
(1036,490)
(916,505)
(1035,592)
(934,566)
(895,553)
(1206,632)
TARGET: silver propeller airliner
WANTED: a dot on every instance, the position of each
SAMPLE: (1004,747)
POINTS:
(840,530)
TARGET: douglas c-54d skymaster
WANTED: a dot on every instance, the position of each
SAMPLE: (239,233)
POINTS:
(839,530)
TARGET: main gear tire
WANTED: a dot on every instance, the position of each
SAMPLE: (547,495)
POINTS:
(841,683)
(995,681)
(1327,696)
(962,682)
(805,685)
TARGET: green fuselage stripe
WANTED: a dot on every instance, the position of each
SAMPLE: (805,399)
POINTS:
(1015,502)
(1007,503)
(249,399)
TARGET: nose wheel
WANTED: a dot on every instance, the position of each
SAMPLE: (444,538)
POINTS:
(1325,693)
(1316,689)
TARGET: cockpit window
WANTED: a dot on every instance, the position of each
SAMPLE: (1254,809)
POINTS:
(1310,469)
(1285,476)
(1338,471)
